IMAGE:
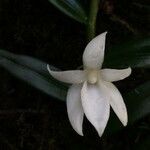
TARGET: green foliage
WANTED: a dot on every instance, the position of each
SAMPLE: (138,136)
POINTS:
(72,8)
(135,53)
(33,72)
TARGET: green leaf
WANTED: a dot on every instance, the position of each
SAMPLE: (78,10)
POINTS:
(34,72)
(138,104)
(135,53)
(72,8)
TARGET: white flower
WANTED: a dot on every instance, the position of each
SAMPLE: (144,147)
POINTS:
(92,92)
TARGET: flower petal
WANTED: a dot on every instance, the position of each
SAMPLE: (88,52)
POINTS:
(72,76)
(95,105)
(116,102)
(74,108)
(93,55)
(111,75)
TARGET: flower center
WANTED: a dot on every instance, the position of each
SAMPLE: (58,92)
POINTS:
(92,76)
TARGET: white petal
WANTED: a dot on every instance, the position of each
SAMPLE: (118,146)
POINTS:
(95,105)
(111,75)
(116,102)
(93,55)
(72,76)
(74,108)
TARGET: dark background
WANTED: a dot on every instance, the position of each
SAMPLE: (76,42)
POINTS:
(31,120)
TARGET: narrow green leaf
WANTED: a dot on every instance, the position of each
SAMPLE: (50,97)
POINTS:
(30,62)
(135,53)
(72,8)
(34,72)
(138,104)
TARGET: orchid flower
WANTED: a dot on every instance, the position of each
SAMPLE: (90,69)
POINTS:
(92,92)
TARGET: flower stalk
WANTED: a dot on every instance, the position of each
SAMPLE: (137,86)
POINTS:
(91,25)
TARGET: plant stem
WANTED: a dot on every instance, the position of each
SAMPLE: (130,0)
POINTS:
(91,25)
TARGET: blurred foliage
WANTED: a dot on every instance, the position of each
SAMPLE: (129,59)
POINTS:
(133,53)
(34,72)
(71,8)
